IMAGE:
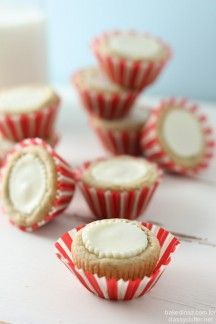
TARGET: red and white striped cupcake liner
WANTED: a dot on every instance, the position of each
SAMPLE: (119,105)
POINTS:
(118,289)
(119,141)
(106,105)
(28,125)
(152,148)
(127,73)
(65,185)
(128,204)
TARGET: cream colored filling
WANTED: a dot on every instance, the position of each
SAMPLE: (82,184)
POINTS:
(24,98)
(134,46)
(27,183)
(114,238)
(96,80)
(182,133)
(119,171)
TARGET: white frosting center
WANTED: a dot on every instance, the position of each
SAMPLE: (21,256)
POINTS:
(27,183)
(23,98)
(134,46)
(182,133)
(114,238)
(98,81)
(119,171)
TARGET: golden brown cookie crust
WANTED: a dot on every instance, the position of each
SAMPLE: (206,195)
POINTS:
(147,180)
(52,99)
(46,203)
(127,269)
(179,160)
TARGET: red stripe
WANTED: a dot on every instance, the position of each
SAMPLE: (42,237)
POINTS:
(129,204)
(24,123)
(112,289)
(62,200)
(94,284)
(67,239)
(141,200)
(162,235)
(63,186)
(38,121)
(10,124)
(132,288)
(81,279)
(133,75)
(115,204)
(170,248)
(2,129)
(64,171)
(121,70)
(101,200)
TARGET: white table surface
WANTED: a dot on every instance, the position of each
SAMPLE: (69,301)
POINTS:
(36,288)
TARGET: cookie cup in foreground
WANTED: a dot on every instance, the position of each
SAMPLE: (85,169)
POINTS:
(27,112)
(101,97)
(132,60)
(121,136)
(118,187)
(36,184)
(177,137)
(118,289)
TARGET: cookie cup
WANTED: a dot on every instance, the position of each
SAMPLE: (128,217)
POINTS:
(104,103)
(127,203)
(59,185)
(186,149)
(133,74)
(118,289)
(121,136)
(38,122)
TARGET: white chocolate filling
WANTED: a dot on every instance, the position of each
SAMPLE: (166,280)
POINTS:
(134,46)
(119,171)
(94,79)
(115,238)
(27,183)
(23,99)
(182,133)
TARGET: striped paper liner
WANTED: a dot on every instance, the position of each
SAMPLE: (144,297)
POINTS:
(28,125)
(65,185)
(118,289)
(128,204)
(105,105)
(128,73)
(153,149)
(119,141)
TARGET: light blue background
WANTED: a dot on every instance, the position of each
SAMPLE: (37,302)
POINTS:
(188,25)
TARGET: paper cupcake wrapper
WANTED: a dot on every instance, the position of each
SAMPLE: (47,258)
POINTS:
(116,204)
(127,73)
(151,146)
(118,289)
(106,105)
(119,141)
(29,125)
(65,183)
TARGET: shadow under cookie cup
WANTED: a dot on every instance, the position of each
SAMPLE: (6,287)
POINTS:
(118,289)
